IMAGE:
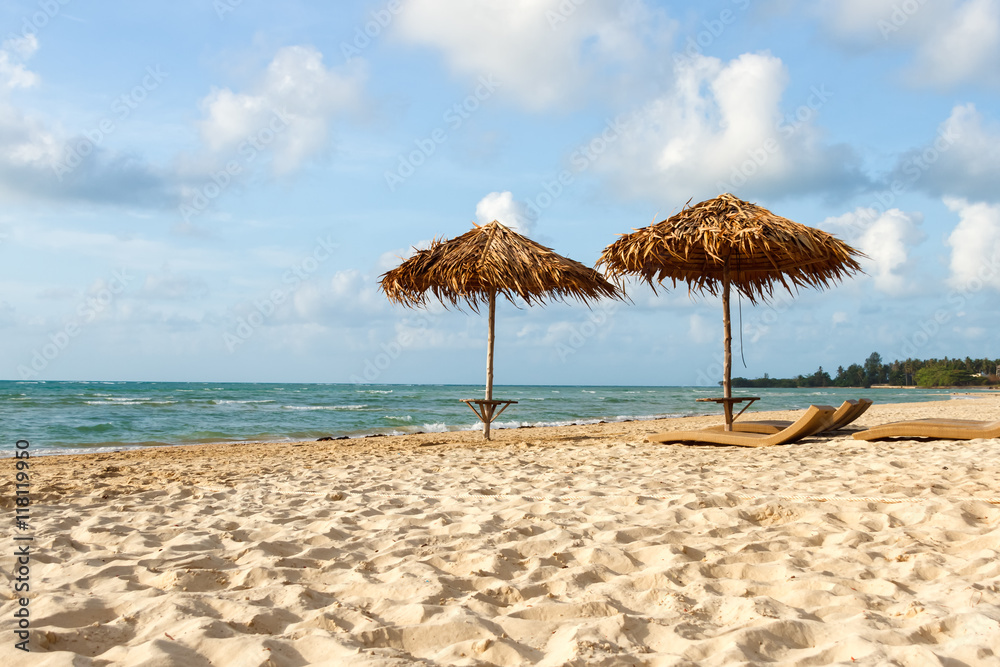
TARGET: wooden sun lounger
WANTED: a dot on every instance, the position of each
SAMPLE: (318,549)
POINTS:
(815,419)
(845,414)
(940,429)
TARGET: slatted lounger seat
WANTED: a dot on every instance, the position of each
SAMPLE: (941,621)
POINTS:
(940,429)
(845,414)
(815,419)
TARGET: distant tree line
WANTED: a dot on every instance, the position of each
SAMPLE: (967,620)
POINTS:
(911,372)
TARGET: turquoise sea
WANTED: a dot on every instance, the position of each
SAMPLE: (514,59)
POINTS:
(70,417)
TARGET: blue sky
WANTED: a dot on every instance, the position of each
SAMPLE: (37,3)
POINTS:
(210,190)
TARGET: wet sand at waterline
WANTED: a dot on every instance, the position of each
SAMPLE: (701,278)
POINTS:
(579,545)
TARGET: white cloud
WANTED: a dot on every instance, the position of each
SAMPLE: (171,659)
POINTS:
(874,23)
(888,239)
(965,49)
(169,286)
(972,333)
(287,112)
(722,128)
(975,245)
(26,147)
(702,331)
(963,160)
(132,254)
(953,41)
(36,161)
(346,292)
(389,260)
(26,143)
(13,73)
(502,207)
(556,333)
(545,53)
(888,242)
(285,116)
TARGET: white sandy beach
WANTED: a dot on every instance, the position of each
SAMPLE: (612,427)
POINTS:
(557,546)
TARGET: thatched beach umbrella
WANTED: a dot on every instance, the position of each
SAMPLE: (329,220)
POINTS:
(726,242)
(482,263)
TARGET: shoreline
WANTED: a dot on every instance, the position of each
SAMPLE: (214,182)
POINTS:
(78,415)
(554,545)
(110,447)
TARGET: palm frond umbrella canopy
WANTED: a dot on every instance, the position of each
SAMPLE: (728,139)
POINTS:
(726,242)
(487,261)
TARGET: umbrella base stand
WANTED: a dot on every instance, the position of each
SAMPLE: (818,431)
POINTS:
(487,411)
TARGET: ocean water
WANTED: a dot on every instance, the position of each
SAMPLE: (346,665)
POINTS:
(70,417)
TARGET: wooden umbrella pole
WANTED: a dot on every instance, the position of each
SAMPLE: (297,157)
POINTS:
(489,346)
(488,409)
(727,380)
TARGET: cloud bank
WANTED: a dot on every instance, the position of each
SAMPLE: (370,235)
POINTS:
(723,128)
(547,54)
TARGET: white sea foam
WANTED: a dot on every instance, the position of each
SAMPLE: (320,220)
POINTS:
(436,428)
(120,401)
(324,407)
(577,422)
(59,451)
(646,418)
(520,424)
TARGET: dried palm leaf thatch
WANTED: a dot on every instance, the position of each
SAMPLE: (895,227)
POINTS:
(724,243)
(757,248)
(482,263)
(489,260)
